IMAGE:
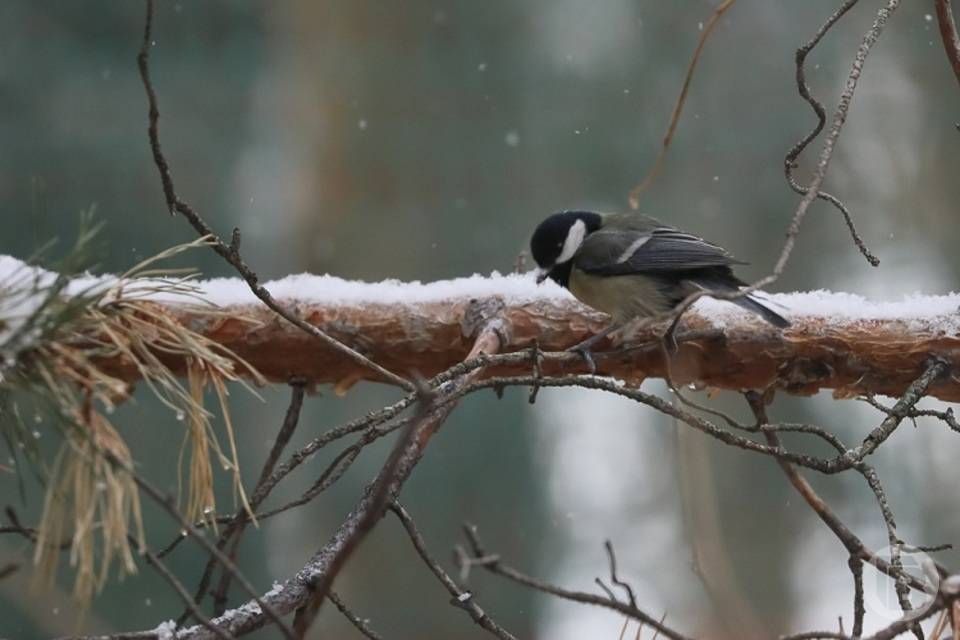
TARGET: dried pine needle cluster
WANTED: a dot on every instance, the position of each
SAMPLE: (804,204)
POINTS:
(92,504)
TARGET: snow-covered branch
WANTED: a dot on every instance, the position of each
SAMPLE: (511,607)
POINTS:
(838,341)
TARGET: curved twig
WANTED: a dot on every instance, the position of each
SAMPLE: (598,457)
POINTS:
(820,171)
(493,564)
(790,161)
(230,252)
(634,197)
(459,598)
(948,33)
(360,624)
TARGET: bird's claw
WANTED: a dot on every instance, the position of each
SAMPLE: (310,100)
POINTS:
(670,342)
(585,353)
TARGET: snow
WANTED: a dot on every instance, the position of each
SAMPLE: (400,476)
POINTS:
(920,312)
(938,313)
(327,289)
(22,292)
(166,630)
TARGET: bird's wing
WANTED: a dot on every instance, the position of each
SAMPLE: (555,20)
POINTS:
(660,249)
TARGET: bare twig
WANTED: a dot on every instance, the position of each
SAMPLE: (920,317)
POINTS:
(614,578)
(363,626)
(608,601)
(209,546)
(854,546)
(234,530)
(181,591)
(368,424)
(820,171)
(341,463)
(459,598)
(8,569)
(826,153)
(948,33)
(848,459)
(151,558)
(900,410)
(380,497)
(294,592)
(856,569)
(790,162)
(229,252)
(678,107)
(492,335)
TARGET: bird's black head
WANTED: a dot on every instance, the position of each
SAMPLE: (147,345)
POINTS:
(556,240)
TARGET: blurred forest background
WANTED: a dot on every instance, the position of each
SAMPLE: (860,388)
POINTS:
(424,140)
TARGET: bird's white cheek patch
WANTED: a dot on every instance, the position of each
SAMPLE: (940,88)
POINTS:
(574,239)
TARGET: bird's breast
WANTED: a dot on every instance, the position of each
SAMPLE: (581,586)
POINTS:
(622,297)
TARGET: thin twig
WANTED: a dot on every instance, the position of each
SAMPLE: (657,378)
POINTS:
(614,578)
(634,197)
(379,499)
(856,569)
(234,531)
(499,568)
(8,569)
(363,626)
(342,461)
(900,410)
(151,558)
(948,33)
(181,591)
(209,546)
(790,161)
(839,118)
(241,620)
(848,459)
(854,546)
(230,252)
(492,334)
(820,171)
(459,598)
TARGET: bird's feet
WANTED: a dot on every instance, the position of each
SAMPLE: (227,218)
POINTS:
(670,340)
(584,350)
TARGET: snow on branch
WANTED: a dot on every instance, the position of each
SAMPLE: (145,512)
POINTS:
(838,341)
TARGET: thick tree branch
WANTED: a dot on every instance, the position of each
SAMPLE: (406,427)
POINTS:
(853,357)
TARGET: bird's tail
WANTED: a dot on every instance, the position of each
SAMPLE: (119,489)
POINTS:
(723,285)
(751,304)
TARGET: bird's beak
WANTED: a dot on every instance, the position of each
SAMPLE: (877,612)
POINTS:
(542,275)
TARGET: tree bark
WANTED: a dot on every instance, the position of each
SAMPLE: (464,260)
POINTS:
(849,356)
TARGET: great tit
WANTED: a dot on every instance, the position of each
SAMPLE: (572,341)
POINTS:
(630,266)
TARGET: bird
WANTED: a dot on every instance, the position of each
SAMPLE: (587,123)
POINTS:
(629,265)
